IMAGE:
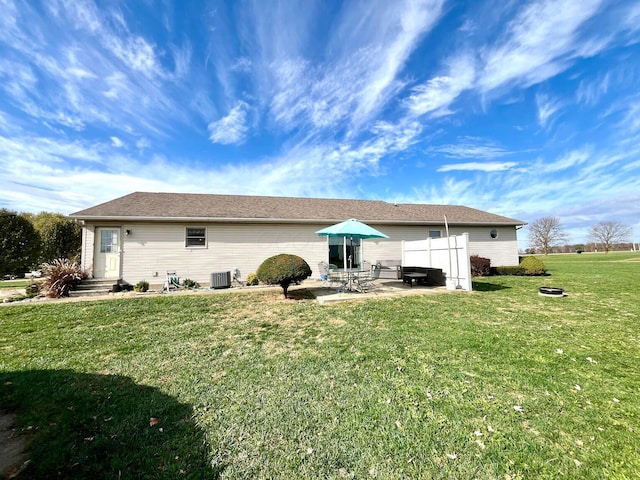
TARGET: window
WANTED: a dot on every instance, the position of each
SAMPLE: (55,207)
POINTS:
(109,241)
(435,233)
(493,233)
(196,237)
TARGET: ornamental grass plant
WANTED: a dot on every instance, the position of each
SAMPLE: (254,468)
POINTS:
(60,276)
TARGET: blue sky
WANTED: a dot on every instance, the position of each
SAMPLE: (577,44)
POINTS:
(522,108)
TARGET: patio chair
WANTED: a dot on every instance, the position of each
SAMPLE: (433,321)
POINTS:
(172,282)
(366,281)
(323,268)
(336,279)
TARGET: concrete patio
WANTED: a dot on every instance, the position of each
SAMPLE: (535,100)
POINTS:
(383,289)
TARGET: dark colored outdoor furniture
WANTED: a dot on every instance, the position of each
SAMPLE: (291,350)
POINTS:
(416,276)
(422,275)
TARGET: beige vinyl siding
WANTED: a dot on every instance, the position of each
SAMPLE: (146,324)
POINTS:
(391,248)
(503,250)
(154,248)
(86,254)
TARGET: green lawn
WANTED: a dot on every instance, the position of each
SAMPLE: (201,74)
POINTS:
(12,284)
(498,383)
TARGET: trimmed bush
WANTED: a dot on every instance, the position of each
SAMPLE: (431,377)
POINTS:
(480,266)
(141,286)
(283,270)
(509,270)
(252,279)
(61,275)
(533,266)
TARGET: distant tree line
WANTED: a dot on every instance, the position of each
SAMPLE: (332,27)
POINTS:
(547,235)
(27,240)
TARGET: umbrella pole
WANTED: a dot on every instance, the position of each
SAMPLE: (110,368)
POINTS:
(351,252)
(344,253)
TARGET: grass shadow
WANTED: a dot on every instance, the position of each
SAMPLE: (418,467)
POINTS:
(301,294)
(487,287)
(103,426)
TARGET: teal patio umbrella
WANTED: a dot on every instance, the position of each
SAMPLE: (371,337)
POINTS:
(351,229)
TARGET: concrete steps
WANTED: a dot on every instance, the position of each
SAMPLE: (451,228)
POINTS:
(93,286)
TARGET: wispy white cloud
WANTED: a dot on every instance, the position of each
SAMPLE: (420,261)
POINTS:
(143,143)
(478,166)
(73,174)
(18,80)
(631,120)
(547,107)
(631,17)
(395,137)
(83,59)
(4,122)
(541,41)
(136,53)
(116,142)
(437,94)
(44,150)
(570,160)
(450,191)
(414,20)
(590,91)
(369,48)
(232,128)
(291,97)
(83,15)
(470,147)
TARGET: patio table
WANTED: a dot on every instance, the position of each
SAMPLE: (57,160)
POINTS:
(348,278)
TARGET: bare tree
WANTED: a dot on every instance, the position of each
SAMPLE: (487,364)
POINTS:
(609,233)
(546,232)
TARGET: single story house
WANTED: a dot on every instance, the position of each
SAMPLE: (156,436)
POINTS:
(142,236)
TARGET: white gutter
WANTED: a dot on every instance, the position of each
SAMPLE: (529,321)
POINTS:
(102,218)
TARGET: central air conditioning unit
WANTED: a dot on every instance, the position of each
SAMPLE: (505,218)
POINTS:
(220,280)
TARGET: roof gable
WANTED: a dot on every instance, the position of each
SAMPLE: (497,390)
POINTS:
(211,207)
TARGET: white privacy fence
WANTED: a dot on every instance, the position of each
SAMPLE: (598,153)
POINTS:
(451,254)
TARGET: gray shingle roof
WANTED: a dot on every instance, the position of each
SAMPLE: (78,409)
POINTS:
(194,207)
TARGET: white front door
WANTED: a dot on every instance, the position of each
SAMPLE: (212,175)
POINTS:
(107,257)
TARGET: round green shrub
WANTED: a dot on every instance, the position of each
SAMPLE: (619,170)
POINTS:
(283,270)
(141,286)
(533,266)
